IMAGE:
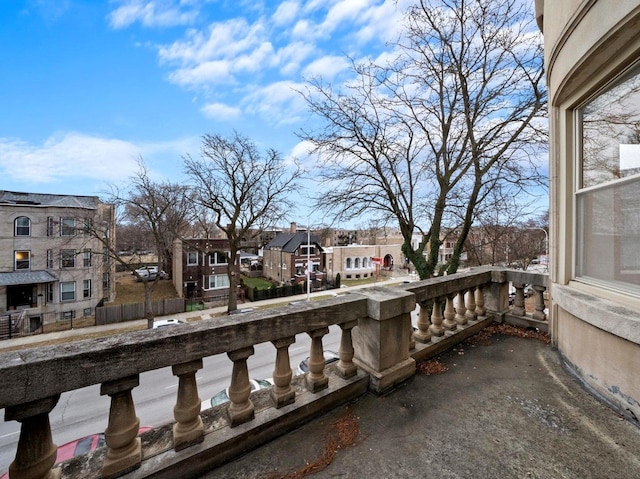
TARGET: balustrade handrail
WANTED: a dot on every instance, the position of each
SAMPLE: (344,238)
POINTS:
(38,373)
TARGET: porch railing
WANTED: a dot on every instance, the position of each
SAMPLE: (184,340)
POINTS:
(378,349)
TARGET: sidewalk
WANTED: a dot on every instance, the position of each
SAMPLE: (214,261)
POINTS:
(40,339)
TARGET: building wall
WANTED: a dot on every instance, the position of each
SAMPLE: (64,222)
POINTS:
(336,260)
(45,250)
(588,45)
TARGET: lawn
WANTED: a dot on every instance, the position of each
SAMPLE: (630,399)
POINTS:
(130,291)
(259,283)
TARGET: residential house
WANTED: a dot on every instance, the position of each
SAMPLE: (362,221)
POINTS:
(52,266)
(285,258)
(362,261)
(201,268)
(592,58)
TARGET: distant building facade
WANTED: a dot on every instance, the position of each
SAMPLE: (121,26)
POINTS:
(52,266)
(362,261)
(285,257)
(201,268)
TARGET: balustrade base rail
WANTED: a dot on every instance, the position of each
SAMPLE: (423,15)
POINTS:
(223,443)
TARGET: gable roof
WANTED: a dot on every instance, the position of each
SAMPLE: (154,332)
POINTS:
(290,242)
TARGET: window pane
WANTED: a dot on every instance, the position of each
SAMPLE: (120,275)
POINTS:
(67,291)
(23,259)
(67,226)
(23,226)
(67,258)
(611,133)
(608,243)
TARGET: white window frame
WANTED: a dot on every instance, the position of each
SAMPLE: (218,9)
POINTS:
(64,256)
(206,281)
(215,256)
(16,260)
(189,262)
(582,192)
(28,226)
(86,288)
(71,285)
(68,226)
(86,258)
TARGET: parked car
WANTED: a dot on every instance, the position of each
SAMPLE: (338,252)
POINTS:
(329,358)
(149,273)
(80,446)
(161,323)
(256,384)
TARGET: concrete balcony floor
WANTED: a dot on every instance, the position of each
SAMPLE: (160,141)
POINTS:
(505,408)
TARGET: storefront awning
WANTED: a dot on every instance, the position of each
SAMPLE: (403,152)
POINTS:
(26,277)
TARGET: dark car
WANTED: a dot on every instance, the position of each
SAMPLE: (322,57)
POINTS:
(330,357)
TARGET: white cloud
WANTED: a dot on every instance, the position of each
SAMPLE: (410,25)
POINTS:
(279,102)
(286,13)
(326,67)
(154,13)
(206,73)
(220,111)
(79,157)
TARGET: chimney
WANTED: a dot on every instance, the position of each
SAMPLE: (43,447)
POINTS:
(294,227)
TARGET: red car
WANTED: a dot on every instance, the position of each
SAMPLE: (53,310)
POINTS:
(80,446)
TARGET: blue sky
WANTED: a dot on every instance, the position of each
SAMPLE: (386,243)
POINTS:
(89,86)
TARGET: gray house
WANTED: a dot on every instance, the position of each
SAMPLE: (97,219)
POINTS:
(52,268)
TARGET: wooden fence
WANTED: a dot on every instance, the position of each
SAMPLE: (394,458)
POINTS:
(128,312)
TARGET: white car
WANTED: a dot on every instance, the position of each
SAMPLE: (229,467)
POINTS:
(161,323)
(149,273)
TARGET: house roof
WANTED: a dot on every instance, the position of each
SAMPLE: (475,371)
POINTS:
(290,242)
(26,277)
(45,199)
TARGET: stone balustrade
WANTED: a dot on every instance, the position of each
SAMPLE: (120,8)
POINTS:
(378,349)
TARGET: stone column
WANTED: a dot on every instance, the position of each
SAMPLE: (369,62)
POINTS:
(346,368)
(539,303)
(241,408)
(423,335)
(461,309)
(381,339)
(124,451)
(188,428)
(479,296)
(316,380)
(436,319)
(471,305)
(496,296)
(518,302)
(449,314)
(282,393)
(36,452)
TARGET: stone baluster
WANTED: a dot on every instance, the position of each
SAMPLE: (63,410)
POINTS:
(518,302)
(124,451)
(461,309)
(538,303)
(423,334)
(449,314)
(282,393)
(316,379)
(241,408)
(436,327)
(479,296)
(346,368)
(36,452)
(470,303)
(188,428)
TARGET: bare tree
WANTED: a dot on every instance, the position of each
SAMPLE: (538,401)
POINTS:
(424,139)
(162,210)
(154,208)
(243,188)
